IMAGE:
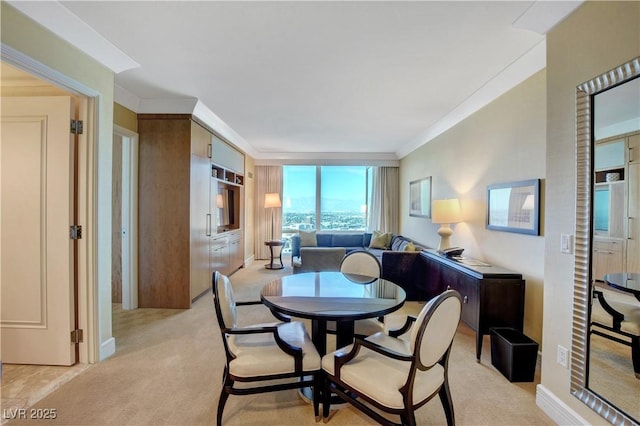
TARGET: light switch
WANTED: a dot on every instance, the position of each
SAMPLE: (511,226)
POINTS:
(565,243)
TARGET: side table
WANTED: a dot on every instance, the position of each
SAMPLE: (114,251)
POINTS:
(271,244)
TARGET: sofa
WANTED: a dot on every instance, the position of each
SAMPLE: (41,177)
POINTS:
(399,265)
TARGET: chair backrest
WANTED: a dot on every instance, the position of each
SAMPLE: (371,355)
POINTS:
(223,300)
(433,332)
(361,263)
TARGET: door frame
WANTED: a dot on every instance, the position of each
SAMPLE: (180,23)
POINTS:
(87,196)
(129,231)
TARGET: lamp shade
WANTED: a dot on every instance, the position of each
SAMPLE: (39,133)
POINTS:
(272,199)
(446,211)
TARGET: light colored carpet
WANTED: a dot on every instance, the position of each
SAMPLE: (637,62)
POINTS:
(611,374)
(168,370)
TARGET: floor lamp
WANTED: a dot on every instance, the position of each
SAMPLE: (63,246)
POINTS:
(272,201)
(445,212)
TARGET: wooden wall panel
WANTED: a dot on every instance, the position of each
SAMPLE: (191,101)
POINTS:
(116,222)
(164,213)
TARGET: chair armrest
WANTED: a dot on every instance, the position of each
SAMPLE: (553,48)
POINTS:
(252,302)
(343,358)
(294,351)
(617,317)
(278,316)
(405,327)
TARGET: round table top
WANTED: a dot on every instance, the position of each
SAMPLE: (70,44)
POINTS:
(274,243)
(332,296)
(629,282)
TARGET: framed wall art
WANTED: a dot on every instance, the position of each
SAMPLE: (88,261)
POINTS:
(420,197)
(514,207)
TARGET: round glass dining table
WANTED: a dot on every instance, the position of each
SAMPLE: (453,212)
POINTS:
(332,296)
(627,282)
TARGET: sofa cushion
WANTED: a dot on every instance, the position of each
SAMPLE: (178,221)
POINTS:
(324,240)
(347,240)
(380,240)
(308,239)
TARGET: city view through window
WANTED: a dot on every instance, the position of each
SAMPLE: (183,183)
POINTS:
(338,195)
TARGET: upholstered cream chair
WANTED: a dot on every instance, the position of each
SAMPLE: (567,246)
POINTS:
(361,264)
(395,375)
(263,353)
(616,316)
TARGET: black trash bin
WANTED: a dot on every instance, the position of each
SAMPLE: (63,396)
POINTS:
(513,354)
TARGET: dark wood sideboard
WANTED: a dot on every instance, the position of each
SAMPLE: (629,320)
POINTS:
(492,296)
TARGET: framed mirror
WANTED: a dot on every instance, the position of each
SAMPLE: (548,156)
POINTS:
(420,197)
(514,207)
(590,226)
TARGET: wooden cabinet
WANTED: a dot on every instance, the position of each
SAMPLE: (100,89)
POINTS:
(491,296)
(634,149)
(616,206)
(633,221)
(227,253)
(236,251)
(177,224)
(608,256)
(200,216)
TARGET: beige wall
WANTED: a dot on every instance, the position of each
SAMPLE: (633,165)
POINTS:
(503,142)
(25,36)
(249,210)
(124,117)
(596,38)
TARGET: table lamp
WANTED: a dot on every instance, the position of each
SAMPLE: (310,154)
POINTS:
(445,212)
(272,201)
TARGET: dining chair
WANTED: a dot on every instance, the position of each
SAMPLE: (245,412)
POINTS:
(397,376)
(361,263)
(265,353)
(616,316)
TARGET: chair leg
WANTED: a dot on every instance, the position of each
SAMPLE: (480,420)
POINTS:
(326,399)
(635,355)
(224,395)
(408,418)
(447,403)
(317,383)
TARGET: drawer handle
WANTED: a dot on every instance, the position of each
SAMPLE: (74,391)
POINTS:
(465,300)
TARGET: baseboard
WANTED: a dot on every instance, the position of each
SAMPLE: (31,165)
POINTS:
(553,407)
(107,348)
(248,261)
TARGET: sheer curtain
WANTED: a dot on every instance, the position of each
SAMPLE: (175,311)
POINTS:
(385,200)
(268,179)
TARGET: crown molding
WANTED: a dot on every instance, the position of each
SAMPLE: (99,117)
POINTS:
(59,20)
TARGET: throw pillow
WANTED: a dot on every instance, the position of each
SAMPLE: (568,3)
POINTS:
(380,240)
(410,247)
(308,239)
(403,245)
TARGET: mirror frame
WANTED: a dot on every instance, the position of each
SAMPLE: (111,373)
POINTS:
(583,236)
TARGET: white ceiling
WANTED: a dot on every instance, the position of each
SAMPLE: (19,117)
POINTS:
(308,79)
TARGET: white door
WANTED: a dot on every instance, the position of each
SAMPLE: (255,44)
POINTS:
(36,252)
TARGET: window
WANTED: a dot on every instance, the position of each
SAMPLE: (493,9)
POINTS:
(299,198)
(325,198)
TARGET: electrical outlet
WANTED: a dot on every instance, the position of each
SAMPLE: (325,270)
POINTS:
(563,356)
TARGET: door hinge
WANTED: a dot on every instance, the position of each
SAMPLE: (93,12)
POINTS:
(76,127)
(75,232)
(76,336)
